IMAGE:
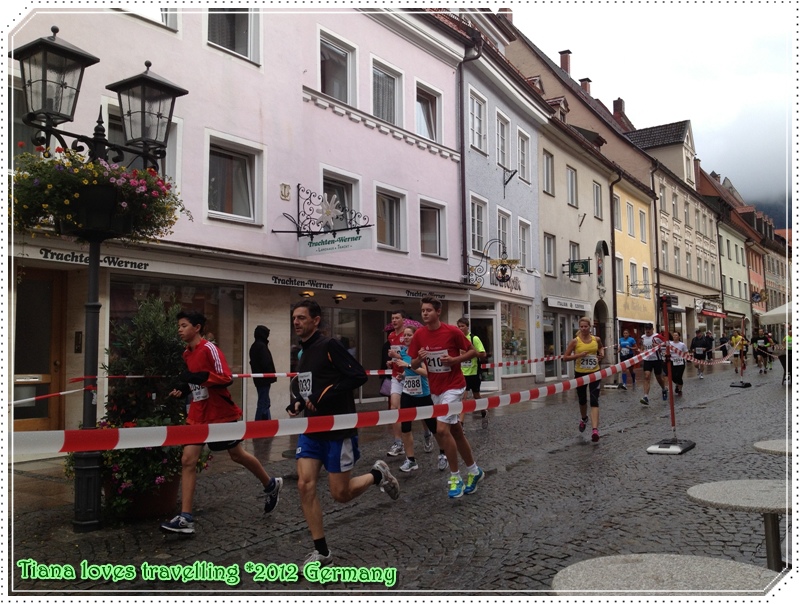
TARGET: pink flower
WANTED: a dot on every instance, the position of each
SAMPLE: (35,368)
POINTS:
(160,480)
(124,204)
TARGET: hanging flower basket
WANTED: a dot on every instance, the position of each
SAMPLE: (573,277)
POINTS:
(63,192)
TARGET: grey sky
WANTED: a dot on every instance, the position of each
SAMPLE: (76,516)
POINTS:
(726,67)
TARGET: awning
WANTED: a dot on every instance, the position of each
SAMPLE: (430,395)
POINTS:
(712,313)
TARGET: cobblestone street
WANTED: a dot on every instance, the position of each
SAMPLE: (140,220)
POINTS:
(551,498)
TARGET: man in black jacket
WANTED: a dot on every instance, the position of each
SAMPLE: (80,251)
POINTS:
(326,376)
(261,362)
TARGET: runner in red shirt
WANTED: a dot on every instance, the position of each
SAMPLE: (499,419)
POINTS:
(438,345)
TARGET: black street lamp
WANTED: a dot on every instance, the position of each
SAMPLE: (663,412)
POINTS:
(52,71)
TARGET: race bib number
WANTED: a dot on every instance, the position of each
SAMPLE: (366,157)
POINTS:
(412,385)
(434,362)
(199,393)
(466,364)
(395,348)
(304,384)
(588,363)
(625,351)
(699,350)
(676,360)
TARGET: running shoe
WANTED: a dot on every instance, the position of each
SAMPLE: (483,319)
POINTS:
(427,440)
(179,524)
(582,425)
(644,400)
(701,376)
(396,450)
(455,486)
(484,420)
(664,394)
(388,483)
(622,387)
(409,466)
(595,435)
(472,482)
(315,556)
(736,370)
(272,496)
(442,463)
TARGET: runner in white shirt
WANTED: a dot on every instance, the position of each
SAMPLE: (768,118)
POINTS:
(652,363)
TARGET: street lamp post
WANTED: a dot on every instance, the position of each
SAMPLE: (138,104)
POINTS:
(52,72)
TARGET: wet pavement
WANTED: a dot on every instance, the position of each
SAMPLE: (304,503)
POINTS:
(551,498)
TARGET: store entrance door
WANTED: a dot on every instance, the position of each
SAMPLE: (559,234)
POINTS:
(482,325)
(39,350)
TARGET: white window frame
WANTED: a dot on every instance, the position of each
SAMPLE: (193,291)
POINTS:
(643,226)
(597,197)
(504,227)
(548,172)
(646,280)
(617,213)
(393,72)
(255,161)
(706,279)
(713,274)
(675,206)
(676,253)
(524,243)
(699,270)
(728,246)
(665,256)
(398,229)
(350,181)
(477,122)
(167,17)
(549,255)
(574,254)
(620,274)
(478,228)
(351,50)
(572,186)
(253,33)
(436,95)
(439,227)
(662,198)
(634,276)
(523,155)
(502,126)
(688,265)
(629,216)
(686,214)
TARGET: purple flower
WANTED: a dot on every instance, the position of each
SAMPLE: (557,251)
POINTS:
(124,204)
(160,480)
(36,182)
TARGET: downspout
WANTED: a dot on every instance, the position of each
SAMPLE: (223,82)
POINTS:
(615,321)
(476,44)
(655,236)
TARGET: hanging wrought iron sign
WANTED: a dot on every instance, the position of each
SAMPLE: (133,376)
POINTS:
(502,267)
(318,214)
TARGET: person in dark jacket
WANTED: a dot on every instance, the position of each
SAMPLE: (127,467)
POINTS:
(326,376)
(698,347)
(261,362)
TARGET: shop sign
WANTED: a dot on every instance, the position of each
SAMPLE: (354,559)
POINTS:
(83,258)
(419,294)
(568,304)
(512,284)
(334,242)
(292,282)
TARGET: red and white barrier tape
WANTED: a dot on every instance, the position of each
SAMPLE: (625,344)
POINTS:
(65,441)
(41,397)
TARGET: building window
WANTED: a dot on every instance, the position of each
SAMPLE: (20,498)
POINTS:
(428,108)
(662,198)
(341,193)
(728,246)
(386,89)
(388,222)
(620,275)
(699,270)
(703,223)
(629,215)
(740,290)
(478,216)
(477,122)
(597,194)
(21,132)
(713,275)
(675,206)
(503,220)
(572,187)
(664,257)
(523,156)
(686,214)
(502,140)
(549,255)
(634,276)
(643,226)
(430,220)
(548,173)
(646,281)
(230,183)
(730,285)
(235,29)
(335,66)
(737,252)
(574,254)
(524,244)
(706,279)
(617,213)
(697,220)
(676,259)
(688,265)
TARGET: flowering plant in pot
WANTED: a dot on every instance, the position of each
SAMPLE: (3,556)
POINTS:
(64,192)
(144,345)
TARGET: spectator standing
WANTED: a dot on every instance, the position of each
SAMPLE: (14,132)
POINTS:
(261,362)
